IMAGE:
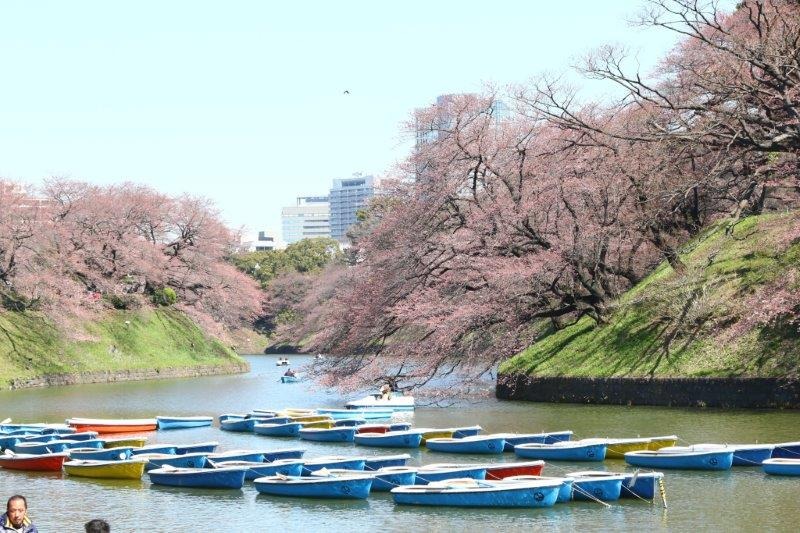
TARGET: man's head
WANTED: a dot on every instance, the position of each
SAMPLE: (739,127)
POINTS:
(16,509)
(97,526)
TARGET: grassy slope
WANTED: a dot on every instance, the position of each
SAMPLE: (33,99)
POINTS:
(682,324)
(122,340)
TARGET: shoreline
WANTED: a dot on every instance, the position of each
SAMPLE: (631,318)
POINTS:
(773,393)
(112,376)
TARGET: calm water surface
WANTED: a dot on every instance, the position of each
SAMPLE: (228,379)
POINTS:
(743,499)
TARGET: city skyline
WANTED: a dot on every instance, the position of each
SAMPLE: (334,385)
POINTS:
(252,104)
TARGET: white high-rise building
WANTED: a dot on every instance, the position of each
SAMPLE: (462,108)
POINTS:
(347,196)
(309,218)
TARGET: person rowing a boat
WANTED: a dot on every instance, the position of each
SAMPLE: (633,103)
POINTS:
(16,517)
(290,373)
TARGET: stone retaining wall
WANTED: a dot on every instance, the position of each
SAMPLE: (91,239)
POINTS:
(693,392)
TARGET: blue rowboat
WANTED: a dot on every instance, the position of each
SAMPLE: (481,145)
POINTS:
(743,454)
(37,448)
(170,449)
(283,467)
(698,460)
(390,439)
(293,379)
(349,422)
(159,460)
(399,426)
(328,434)
(564,490)
(596,485)
(97,444)
(475,444)
(382,461)
(181,422)
(58,430)
(333,462)
(9,441)
(393,476)
(635,484)
(122,453)
(237,424)
(468,431)
(227,416)
(472,493)
(431,474)
(207,478)
(84,435)
(290,429)
(349,486)
(39,438)
(237,455)
(200,447)
(367,414)
(513,439)
(782,467)
(786,450)
(562,451)
(276,420)
(284,453)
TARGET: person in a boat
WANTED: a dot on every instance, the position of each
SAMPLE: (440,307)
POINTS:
(16,516)
(97,526)
(290,373)
(386,392)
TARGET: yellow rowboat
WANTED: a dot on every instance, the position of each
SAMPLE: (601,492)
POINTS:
(130,469)
(325,424)
(436,434)
(617,448)
(656,443)
(136,442)
(310,418)
(297,412)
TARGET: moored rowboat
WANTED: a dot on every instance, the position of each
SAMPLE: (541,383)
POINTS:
(134,442)
(91,454)
(562,451)
(782,467)
(473,493)
(342,434)
(688,460)
(474,444)
(180,422)
(126,469)
(390,439)
(51,462)
(278,430)
(348,486)
(106,425)
(284,467)
(207,478)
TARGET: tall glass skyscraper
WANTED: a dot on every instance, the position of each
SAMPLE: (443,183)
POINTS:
(347,196)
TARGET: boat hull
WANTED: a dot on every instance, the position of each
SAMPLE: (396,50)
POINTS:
(189,460)
(278,430)
(425,477)
(38,463)
(328,434)
(722,460)
(504,496)
(356,487)
(205,478)
(112,454)
(105,469)
(389,478)
(391,439)
(135,442)
(286,467)
(113,426)
(378,462)
(502,471)
(201,447)
(467,445)
(356,463)
(238,424)
(168,422)
(588,452)
(641,485)
(782,467)
(604,489)
(786,450)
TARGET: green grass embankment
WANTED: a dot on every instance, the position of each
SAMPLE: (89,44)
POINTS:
(135,344)
(688,324)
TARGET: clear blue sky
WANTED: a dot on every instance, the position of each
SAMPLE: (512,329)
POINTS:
(242,101)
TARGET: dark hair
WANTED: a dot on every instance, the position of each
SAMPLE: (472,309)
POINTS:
(97,526)
(17,497)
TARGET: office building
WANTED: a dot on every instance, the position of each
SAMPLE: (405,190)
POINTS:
(309,218)
(347,196)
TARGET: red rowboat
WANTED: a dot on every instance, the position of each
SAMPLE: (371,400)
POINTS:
(23,461)
(504,470)
(372,428)
(104,425)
